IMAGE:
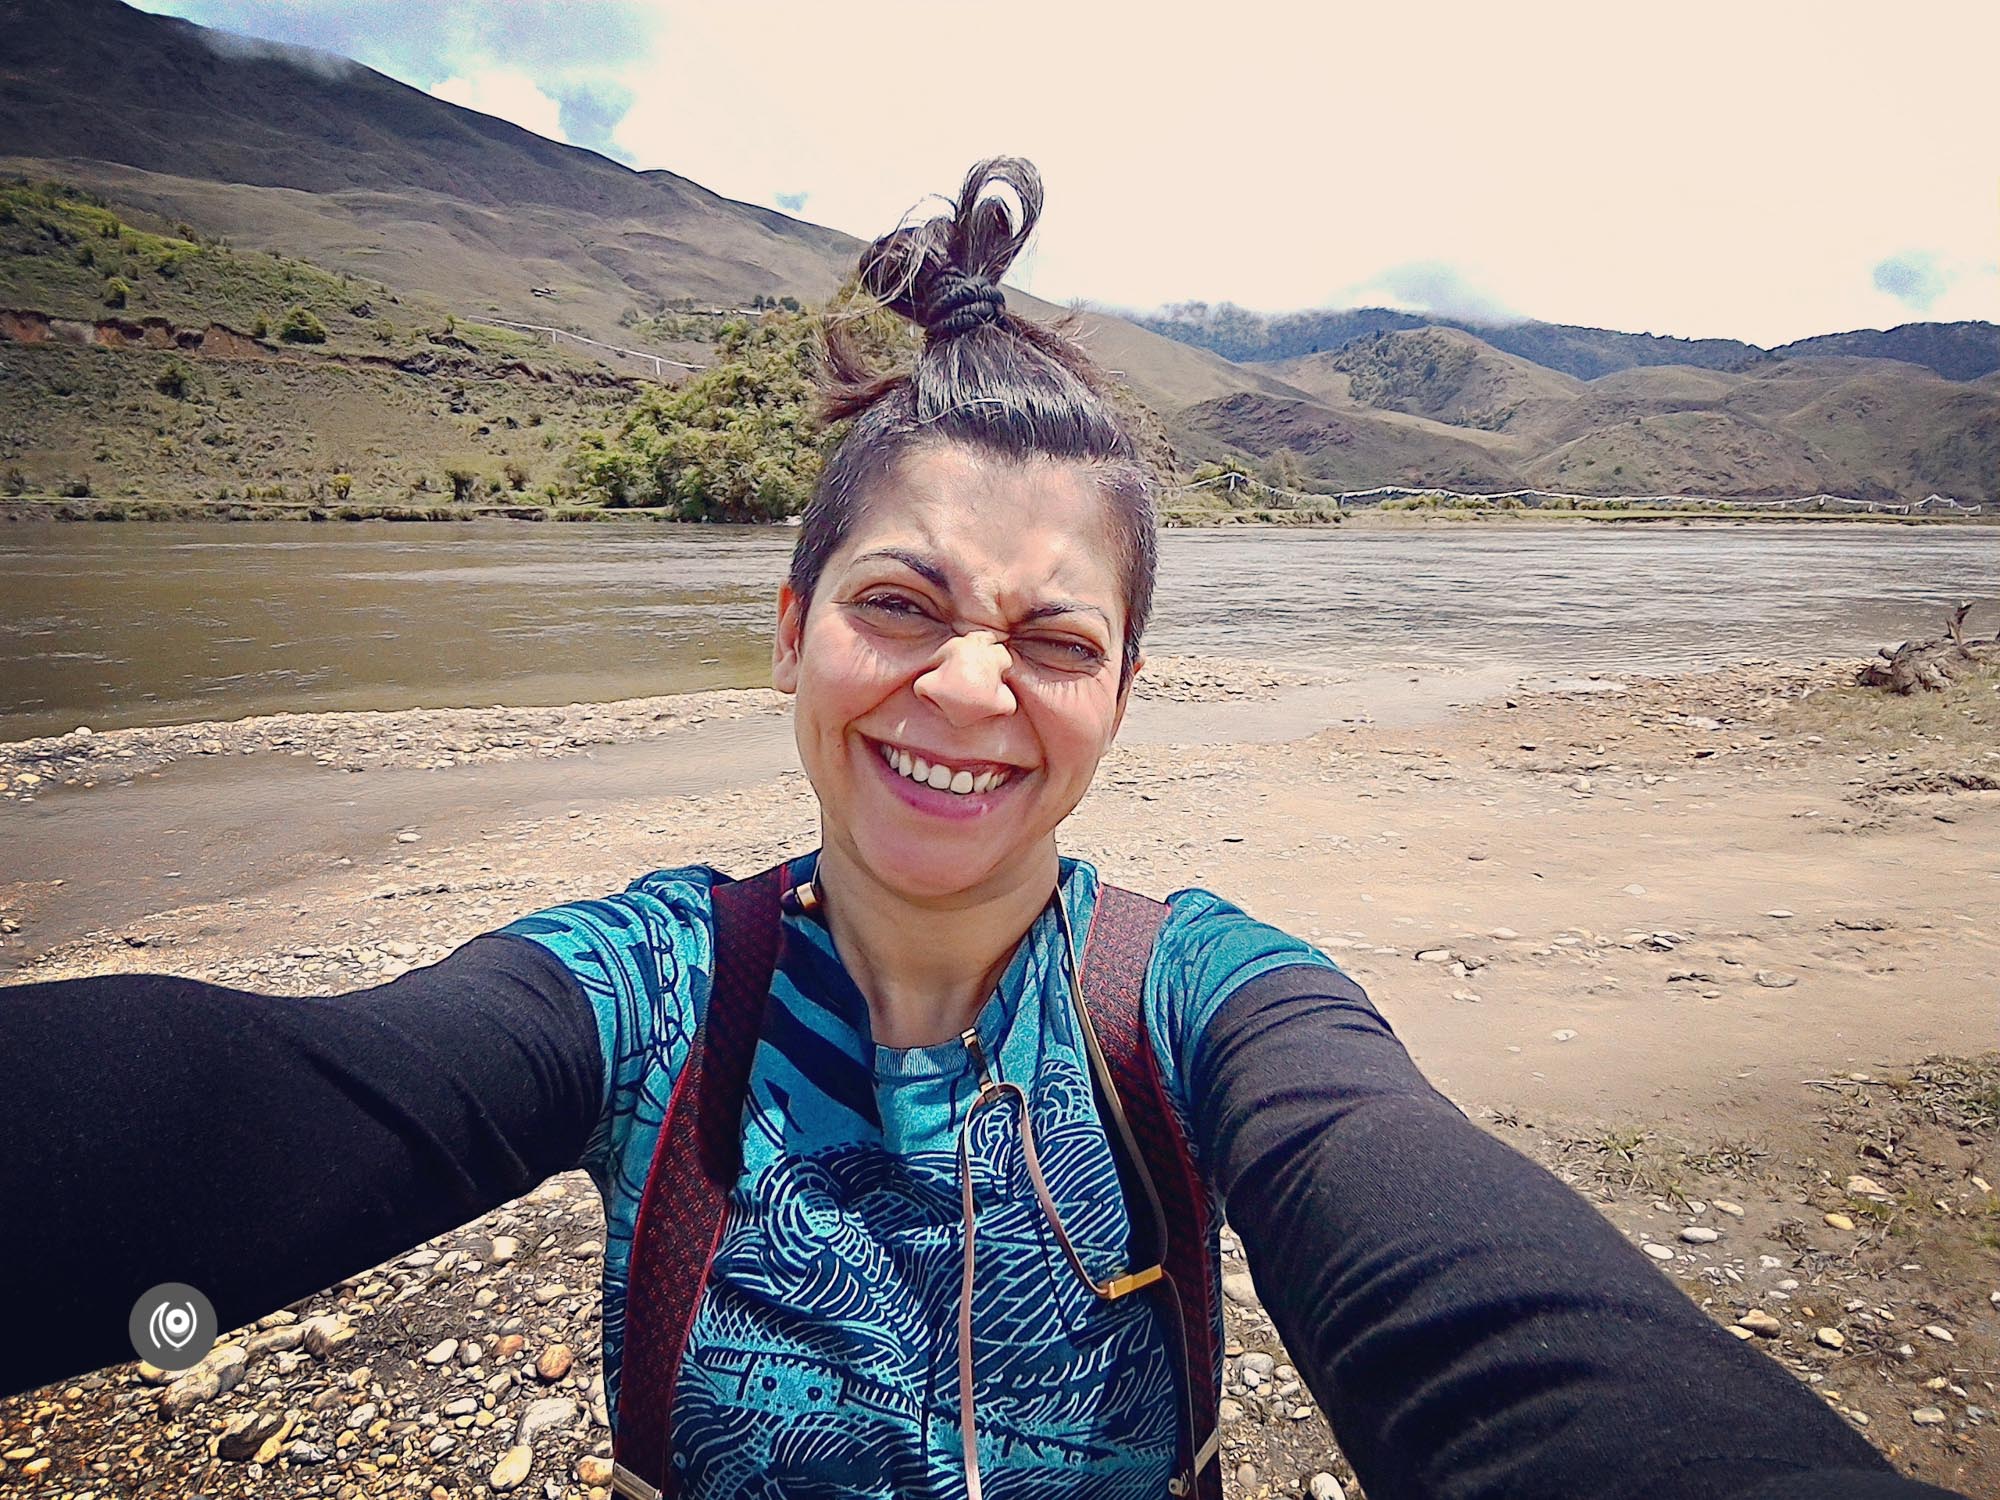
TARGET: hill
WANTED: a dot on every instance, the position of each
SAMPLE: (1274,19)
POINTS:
(245,184)
(1957,351)
(1412,401)
(318,157)
(1586,353)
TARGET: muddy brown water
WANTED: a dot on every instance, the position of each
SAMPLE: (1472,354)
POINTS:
(119,625)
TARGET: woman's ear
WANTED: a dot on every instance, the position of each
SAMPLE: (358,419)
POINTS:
(786,645)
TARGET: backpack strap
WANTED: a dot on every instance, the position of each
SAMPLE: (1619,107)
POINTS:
(1116,955)
(696,1163)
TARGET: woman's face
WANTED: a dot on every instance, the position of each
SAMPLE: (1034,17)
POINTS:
(970,629)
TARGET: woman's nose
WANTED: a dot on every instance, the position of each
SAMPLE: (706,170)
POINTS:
(968,681)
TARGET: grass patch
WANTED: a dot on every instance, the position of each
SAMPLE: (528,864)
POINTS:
(1963,718)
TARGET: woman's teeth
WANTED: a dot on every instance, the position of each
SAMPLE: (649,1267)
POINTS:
(943,778)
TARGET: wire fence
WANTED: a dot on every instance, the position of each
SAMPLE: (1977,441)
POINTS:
(659,362)
(1247,488)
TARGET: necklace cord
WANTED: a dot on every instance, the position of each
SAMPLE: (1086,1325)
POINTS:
(993,1092)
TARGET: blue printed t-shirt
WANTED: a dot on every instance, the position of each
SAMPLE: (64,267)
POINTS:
(823,1355)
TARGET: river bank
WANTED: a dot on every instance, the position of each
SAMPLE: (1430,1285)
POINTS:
(117,508)
(1689,940)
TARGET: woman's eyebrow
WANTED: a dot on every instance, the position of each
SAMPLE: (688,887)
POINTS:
(1055,607)
(931,573)
(916,562)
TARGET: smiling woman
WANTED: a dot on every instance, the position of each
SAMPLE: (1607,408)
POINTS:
(906,1192)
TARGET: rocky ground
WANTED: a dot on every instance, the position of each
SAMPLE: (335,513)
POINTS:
(1720,950)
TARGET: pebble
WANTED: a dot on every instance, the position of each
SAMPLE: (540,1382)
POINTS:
(1940,1332)
(1240,1289)
(1865,1187)
(505,1248)
(1839,1221)
(555,1362)
(1246,1476)
(441,1354)
(1740,1331)
(1504,935)
(1323,1486)
(1830,1338)
(1260,1365)
(1779,912)
(1564,1035)
(1771,979)
(1700,1234)
(1658,1252)
(553,1292)
(1724,1206)
(550,1411)
(592,1469)
(1928,1416)
(1761,1323)
(512,1468)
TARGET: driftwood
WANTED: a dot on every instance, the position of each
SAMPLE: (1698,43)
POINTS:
(1930,664)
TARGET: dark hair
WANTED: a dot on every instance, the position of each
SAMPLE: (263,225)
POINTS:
(986,378)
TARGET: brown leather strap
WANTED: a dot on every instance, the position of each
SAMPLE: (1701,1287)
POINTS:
(1116,955)
(696,1163)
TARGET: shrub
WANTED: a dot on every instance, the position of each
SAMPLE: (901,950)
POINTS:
(463,483)
(736,442)
(517,477)
(77,488)
(261,329)
(342,486)
(301,326)
(116,292)
(173,381)
(14,482)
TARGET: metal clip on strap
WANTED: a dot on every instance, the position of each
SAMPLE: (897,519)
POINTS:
(629,1485)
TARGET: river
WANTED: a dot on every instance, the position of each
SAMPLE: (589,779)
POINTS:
(119,625)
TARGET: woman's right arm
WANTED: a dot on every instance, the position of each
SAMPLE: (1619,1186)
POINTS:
(260,1148)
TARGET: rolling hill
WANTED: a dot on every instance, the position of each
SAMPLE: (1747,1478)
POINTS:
(315,156)
(437,213)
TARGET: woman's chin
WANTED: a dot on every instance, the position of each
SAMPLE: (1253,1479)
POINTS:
(928,871)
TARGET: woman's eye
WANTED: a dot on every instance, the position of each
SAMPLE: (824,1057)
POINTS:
(893,605)
(1062,653)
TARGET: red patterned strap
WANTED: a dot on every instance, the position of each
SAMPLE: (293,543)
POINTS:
(1116,955)
(687,1190)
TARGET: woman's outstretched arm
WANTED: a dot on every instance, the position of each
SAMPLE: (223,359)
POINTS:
(1472,1328)
(262,1147)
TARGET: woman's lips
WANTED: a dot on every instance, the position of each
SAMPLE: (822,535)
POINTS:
(956,806)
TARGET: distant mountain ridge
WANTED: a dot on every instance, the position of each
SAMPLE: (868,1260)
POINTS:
(329,162)
(1957,351)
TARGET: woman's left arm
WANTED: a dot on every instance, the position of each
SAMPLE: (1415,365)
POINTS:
(1471,1326)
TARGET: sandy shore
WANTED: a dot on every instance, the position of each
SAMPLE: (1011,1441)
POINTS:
(1688,941)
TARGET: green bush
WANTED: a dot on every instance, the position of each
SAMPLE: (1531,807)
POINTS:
(173,381)
(116,292)
(736,442)
(302,327)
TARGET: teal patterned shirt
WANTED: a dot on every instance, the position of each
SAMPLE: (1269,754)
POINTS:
(822,1360)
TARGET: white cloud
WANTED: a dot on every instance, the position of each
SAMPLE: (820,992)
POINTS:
(508,94)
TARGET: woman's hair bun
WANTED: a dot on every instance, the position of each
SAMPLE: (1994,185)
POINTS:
(944,274)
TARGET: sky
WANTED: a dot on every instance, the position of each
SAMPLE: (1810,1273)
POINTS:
(1756,169)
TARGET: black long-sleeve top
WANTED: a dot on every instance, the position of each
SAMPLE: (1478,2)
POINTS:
(1472,1327)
